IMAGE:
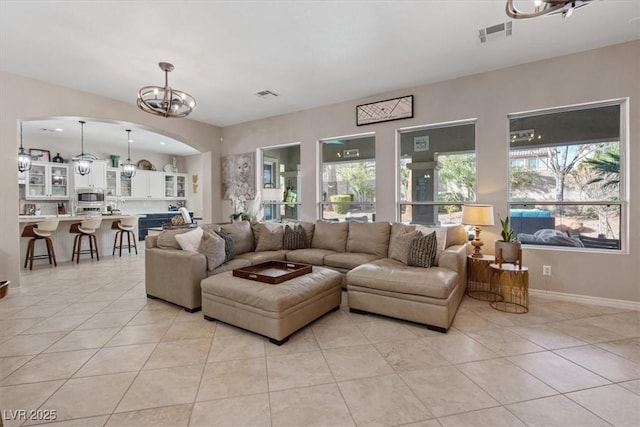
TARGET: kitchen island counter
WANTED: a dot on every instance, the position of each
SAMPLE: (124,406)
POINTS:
(63,240)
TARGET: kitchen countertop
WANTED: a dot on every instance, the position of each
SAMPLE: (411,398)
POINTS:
(39,218)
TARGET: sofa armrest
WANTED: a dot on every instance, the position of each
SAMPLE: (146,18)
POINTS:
(175,276)
(454,258)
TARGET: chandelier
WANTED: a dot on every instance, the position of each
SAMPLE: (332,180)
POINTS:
(24,158)
(82,162)
(164,101)
(546,7)
(128,168)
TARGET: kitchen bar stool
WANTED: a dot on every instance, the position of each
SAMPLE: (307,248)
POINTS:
(87,228)
(40,231)
(125,225)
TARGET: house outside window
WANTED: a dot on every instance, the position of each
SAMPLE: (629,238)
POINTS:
(436,172)
(566,180)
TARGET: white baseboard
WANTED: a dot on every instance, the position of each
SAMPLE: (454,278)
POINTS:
(608,302)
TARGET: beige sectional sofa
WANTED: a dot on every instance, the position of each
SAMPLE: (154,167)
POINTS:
(375,282)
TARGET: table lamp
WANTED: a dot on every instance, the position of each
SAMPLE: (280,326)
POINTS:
(477,215)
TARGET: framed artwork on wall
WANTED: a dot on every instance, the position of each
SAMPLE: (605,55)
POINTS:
(40,155)
(384,111)
(238,176)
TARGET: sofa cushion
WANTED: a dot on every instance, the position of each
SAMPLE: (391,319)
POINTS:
(242,236)
(270,237)
(369,238)
(167,239)
(399,246)
(264,256)
(422,250)
(393,276)
(294,237)
(230,265)
(330,235)
(309,256)
(190,241)
(456,235)
(212,247)
(348,260)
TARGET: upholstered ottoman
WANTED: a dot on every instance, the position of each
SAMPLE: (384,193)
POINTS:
(275,311)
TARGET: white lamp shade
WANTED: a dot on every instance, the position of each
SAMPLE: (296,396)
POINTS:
(477,214)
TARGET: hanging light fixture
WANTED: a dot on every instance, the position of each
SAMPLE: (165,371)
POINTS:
(82,163)
(24,158)
(546,7)
(164,101)
(128,168)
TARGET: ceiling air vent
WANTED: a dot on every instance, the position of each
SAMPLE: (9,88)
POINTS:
(498,31)
(266,94)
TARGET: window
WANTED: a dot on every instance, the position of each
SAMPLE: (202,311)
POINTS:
(570,191)
(281,182)
(437,173)
(348,178)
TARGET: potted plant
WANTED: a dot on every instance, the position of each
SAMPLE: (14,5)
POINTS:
(509,247)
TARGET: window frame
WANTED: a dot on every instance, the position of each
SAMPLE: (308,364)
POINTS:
(622,203)
(398,187)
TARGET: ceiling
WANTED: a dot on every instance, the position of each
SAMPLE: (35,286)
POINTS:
(98,133)
(311,53)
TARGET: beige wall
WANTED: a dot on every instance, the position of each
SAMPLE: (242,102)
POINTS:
(26,99)
(595,75)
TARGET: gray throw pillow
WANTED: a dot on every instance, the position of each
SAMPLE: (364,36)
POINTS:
(212,247)
(422,251)
(399,250)
(295,238)
(269,238)
(229,246)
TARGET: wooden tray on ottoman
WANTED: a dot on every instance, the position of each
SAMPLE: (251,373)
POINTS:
(272,272)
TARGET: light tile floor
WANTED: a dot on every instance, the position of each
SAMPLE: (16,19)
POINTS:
(84,341)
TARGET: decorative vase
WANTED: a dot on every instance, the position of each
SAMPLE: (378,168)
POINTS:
(58,159)
(510,251)
(115,161)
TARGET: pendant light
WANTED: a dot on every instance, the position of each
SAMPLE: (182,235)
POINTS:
(128,168)
(24,158)
(163,100)
(83,161)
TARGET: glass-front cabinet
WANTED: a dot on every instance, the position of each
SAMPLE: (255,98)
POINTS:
(175,186)
(281,182)
(117,185)
(47,181)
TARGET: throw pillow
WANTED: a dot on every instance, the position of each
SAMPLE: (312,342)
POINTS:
(295,238)
(269,238)
(242,236)
(212,247)
(167,239)
(229,246)
(422,251)
(190,241)
(401,244)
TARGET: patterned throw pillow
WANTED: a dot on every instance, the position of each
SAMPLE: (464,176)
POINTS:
(295,238)
(422,251)
(229,246)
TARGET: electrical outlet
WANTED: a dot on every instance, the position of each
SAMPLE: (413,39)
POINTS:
(546,270)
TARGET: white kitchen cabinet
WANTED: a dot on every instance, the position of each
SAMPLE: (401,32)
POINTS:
(47,181)
(175,186)
(147,185)
(97,178)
